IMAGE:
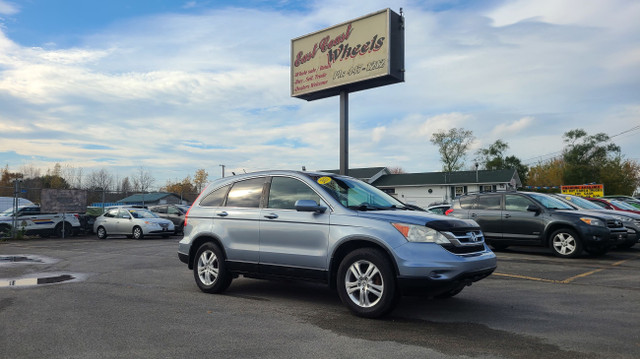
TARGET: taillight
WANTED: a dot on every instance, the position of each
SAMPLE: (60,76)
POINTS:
(447,212)
(186,215)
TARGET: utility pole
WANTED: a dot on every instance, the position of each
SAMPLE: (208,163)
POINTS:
(14,222)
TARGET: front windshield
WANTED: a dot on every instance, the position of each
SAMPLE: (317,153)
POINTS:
(550,202)
(581,202)
(142,213)
(355,194)
(7,212)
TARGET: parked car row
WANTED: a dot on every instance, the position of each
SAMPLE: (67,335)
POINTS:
(527,218)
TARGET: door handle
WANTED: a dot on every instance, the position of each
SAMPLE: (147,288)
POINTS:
(222,214)
(271,216)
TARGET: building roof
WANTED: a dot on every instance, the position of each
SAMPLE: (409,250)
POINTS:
(147,197)
(365,172)
(445,178)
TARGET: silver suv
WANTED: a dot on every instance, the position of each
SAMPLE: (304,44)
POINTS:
(333,229)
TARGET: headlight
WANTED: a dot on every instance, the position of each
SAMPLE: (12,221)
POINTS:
(415,233)
(623,219)
(592,221)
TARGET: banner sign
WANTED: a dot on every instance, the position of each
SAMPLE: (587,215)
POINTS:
(63,200)
(356,55)
(587,190)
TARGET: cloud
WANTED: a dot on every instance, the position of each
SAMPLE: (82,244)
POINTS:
(8,8)
(177,92)
(506,129)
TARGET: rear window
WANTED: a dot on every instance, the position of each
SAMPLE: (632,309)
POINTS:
(246,193)
(215,198)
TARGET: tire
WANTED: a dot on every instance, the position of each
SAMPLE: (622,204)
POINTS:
(101,232)
(5,230)
(136,233)
(366,283)
(565,243)
(210,269)
(68,230)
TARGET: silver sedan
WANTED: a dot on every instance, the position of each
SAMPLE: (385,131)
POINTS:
(132,222)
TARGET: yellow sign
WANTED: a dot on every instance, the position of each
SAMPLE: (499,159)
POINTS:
(587,190)
(324,180)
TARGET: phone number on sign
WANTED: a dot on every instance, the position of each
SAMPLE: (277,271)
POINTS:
(357,69)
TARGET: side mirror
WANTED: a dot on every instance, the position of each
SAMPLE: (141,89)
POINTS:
(533,208)
(307,205)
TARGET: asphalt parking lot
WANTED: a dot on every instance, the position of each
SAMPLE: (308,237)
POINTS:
(121,298)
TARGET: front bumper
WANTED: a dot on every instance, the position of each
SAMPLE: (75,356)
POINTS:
(432,286)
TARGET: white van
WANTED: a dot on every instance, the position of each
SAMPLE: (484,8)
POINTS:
(7,202)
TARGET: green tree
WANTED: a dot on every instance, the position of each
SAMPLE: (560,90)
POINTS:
(493,158)
(585,155)
(453,146)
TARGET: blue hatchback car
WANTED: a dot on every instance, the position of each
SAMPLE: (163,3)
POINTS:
(333,229)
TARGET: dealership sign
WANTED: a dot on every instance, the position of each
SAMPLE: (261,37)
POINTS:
(588,190)
(356,55)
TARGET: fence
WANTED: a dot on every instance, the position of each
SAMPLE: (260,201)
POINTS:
(102,199)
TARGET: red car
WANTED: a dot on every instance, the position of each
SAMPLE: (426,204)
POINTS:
(614,205)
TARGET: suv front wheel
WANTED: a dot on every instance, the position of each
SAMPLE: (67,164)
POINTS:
(366,283)
(210,270)
(565,243)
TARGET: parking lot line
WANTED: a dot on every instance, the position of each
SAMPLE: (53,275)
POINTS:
(570,279)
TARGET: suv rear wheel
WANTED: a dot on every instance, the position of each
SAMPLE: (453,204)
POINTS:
(210,270)
(366,283)
(565,243)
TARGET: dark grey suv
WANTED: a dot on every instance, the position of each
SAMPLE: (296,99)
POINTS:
(332,229)
(528,218)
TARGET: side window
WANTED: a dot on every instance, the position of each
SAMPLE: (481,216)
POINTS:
(489,202)
(467,202)
(286,191)
(215,198)
(516,203)
(161,209)
(246,193)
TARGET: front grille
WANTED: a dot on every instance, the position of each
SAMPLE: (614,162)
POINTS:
(614,223)
(464,250)
(464,242)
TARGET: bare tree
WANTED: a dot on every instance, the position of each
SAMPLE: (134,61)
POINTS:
(100,179)
(396,170)
(453,146)
(142,180)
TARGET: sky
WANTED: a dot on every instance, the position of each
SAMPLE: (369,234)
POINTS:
(173,86)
